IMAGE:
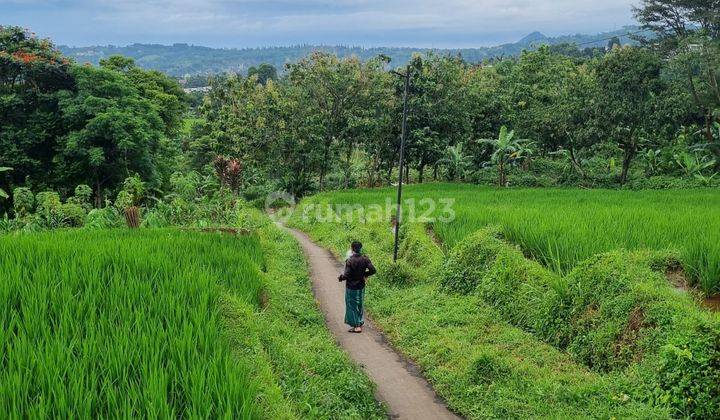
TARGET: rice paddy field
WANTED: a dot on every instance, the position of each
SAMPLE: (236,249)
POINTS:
(550,303)
(166,324)
(123,323)
(562,227)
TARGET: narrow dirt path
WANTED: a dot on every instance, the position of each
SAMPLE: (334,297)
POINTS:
(399,385)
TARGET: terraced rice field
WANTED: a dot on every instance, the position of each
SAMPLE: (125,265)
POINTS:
(562,227)
(167,324)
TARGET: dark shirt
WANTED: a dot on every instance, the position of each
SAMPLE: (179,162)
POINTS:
(357,269)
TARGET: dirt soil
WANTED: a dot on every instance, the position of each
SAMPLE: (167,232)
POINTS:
(676,277)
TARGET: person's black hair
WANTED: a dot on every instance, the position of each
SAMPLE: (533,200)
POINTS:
(356,247)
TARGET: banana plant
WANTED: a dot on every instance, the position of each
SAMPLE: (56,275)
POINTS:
(706,181)
(692,164)
(652,159)
(455,161)
(3,194)
(507,149)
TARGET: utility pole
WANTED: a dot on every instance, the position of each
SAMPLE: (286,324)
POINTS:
(402,160)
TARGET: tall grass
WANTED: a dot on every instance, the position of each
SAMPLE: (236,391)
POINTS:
(123,324)
(561,227)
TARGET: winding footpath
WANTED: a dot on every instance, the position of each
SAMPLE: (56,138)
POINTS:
(399,384)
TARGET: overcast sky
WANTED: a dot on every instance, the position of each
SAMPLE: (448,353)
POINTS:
(249,23)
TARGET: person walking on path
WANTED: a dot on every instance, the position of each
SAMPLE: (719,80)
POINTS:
(358,268)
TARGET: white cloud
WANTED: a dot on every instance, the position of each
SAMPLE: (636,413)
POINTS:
(277,21)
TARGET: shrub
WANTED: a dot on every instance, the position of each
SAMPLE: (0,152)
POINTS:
(135,188)
(256,192)
(105,218)
(667,182)
(23,201)
(688,377)
(520,289)
(124,200)
(527,179)
(49,208)
(622,310)
(83,197)
(470,260)
(418,249)
(72,215)
(185,185)
(155,219)
(612,312)
(396,273)
(251,219)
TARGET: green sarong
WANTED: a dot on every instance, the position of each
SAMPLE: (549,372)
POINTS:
(354,307)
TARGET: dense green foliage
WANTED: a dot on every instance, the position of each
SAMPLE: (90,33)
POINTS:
(618,118)
(106,323)
(641,116)
(62,124)
(611,312)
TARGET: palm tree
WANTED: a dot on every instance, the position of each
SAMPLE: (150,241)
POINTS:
(3,194)
(455,161)
(507,150)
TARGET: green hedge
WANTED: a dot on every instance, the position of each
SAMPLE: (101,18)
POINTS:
(612,312)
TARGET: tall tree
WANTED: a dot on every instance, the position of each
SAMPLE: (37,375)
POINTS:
(688,32)
(438,109)
(630,83)
(333,90)
(264,72)
(536,88)
(113,132)
(33,74)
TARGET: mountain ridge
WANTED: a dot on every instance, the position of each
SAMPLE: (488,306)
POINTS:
(181,59)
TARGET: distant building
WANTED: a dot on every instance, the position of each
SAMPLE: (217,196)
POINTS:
(203,89)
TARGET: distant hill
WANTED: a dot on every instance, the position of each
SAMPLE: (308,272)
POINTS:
(533,38)
(183,59)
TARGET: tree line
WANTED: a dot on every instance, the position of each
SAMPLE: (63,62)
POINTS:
(63,124)
(598,118)
(332,122)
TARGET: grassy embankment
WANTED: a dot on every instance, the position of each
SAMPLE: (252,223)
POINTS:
(168,323)
(563,227)
(501,335)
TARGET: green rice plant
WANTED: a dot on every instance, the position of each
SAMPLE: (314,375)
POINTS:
(562,227)
(123,324)
(167,323)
